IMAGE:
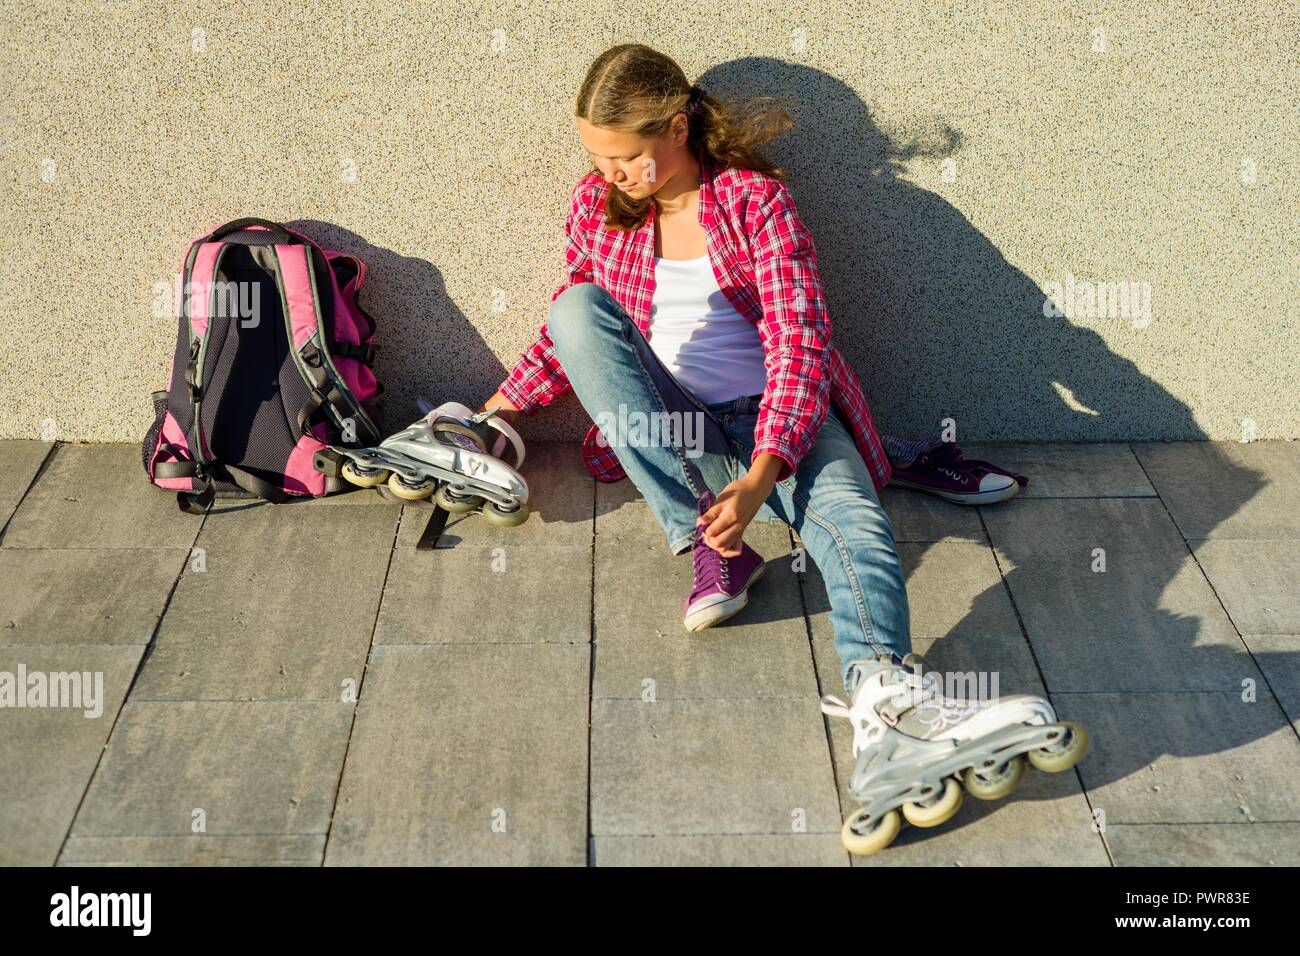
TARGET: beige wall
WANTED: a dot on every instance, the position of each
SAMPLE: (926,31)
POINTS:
(951,164)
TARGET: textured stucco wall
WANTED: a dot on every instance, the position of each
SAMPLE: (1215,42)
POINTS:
(952,163)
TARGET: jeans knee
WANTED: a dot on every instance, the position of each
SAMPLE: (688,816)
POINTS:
(575,316)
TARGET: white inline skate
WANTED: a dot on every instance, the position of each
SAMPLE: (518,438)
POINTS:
(916,749)
(452,454)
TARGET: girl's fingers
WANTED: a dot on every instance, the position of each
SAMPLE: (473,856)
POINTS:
(711,515)
(724,538)
(728,545)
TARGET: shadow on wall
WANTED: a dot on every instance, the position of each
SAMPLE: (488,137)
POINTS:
(933,317)
(937,323)
(424,340)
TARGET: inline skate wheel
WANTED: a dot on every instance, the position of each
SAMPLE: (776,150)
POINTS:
(454,503)
(938,809)
(363,477)
(994,783)
(408,492)
(502,518)
(871,841)
(1065,752)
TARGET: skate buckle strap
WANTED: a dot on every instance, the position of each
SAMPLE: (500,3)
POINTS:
(365,354)
(834,707)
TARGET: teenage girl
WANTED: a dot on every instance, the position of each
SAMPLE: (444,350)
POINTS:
(691,289)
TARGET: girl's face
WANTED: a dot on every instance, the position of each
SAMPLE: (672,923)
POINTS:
(635,164)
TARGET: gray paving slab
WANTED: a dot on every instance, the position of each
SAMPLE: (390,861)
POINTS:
(1069,470)
(642,645)
(85,596)
(49,753)
(1227,489)
(1278,656)
(525,591)
(953,587)
(621,511)
(1205,844)
(200,849)
(961,617)
(1149,622)
(810,849)
(263,768)
(276,603)
(20,461)
(921,517)
(560,496)
(1257,581)
(467,754)
(710,767)
(97,496)
(1188,757)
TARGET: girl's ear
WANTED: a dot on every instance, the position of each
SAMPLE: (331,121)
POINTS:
(681,129)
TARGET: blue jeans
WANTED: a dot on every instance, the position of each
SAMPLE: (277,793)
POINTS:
(829,499)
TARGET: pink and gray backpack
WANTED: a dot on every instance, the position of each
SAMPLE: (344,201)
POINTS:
(274,361)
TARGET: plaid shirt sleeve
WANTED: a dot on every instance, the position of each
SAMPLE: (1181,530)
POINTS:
(795,331)
(537,378)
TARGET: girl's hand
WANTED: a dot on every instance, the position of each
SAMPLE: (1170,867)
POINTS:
(733,510)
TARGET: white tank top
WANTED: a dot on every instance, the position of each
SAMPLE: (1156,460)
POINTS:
(710,348)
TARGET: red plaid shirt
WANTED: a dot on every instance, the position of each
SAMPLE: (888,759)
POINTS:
(763,259)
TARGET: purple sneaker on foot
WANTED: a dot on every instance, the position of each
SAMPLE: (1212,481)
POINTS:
(945,472)
(721,583)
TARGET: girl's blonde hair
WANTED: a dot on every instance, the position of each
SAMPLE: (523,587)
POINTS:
(632,88)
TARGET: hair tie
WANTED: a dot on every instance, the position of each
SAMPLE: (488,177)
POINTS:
(697,94)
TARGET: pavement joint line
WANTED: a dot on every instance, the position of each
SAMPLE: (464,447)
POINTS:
(751,697)
(188,835)
(1153,693)
(146,547)
(1027,498)
(238,700)
(1024,631)
(1187,543)
(361,684)
(126,697)
(1202,823)
(717,833)
(40,471)
(483,643)
(463,545)
(64,644)
(277,861)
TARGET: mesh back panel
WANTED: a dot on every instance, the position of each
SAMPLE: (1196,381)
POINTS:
(254,392)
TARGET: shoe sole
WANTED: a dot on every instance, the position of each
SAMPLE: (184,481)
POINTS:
(976,498)
(716,613)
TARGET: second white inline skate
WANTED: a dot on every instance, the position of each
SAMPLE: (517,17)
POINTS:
(453,454)
(916,749)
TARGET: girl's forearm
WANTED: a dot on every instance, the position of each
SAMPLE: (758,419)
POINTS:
(763,471)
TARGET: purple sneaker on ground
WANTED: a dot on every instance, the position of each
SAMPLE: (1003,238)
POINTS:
(945,472)
(721,583)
